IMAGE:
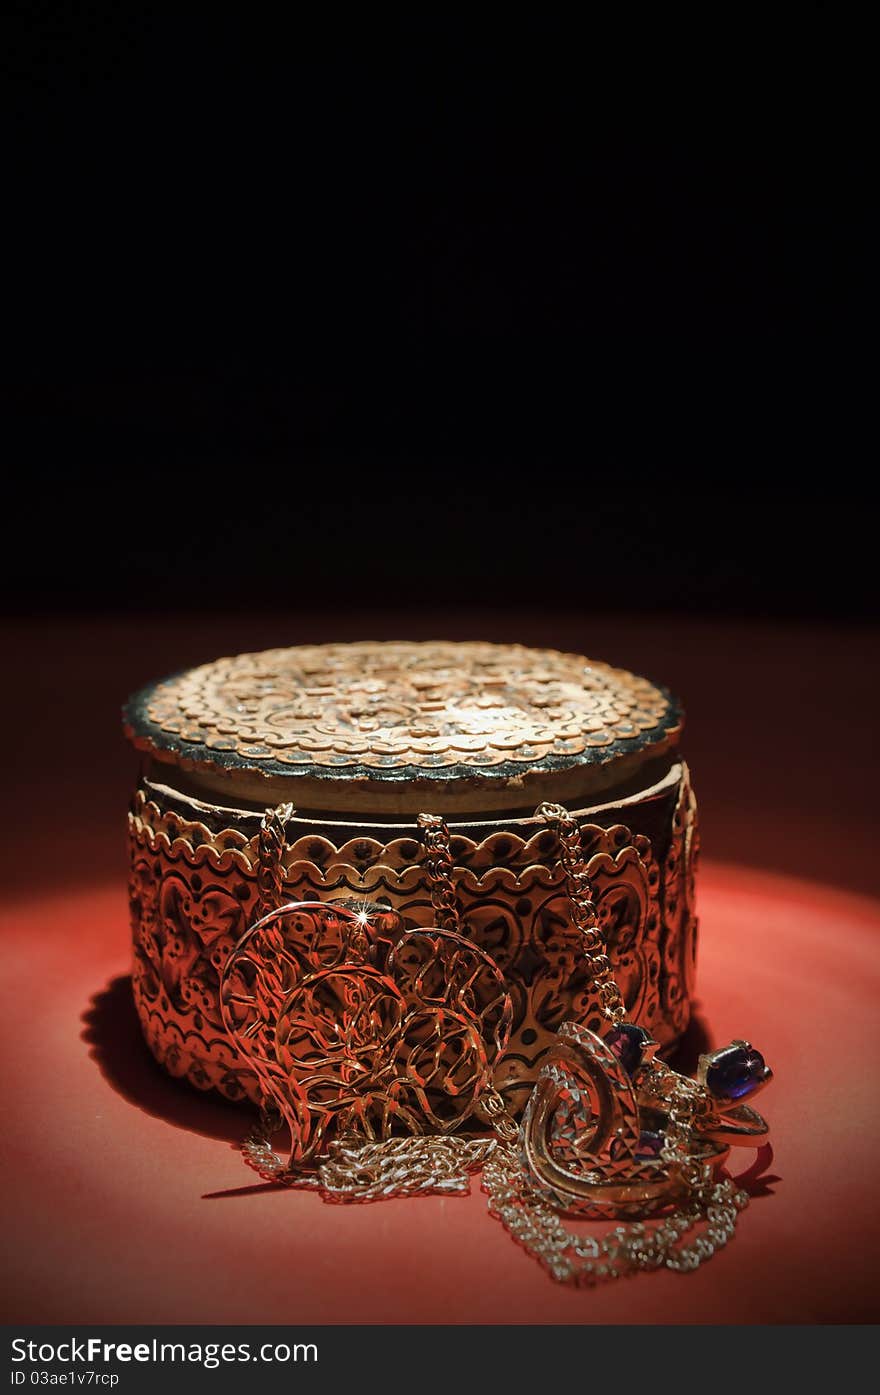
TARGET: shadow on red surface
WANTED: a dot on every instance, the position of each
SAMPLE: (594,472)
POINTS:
(117,1047)
(755,1179)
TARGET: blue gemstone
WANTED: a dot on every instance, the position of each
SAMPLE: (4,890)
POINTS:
(627,1041)
(650,1144)
(735,1072)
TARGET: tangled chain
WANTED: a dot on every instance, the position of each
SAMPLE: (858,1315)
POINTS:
(355,1170)
(626,1250)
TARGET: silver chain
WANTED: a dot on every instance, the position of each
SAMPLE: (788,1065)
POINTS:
(270,865)
(628,1249)
(439,866)
(583,909)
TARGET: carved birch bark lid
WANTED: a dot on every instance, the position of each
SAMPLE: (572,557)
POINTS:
(394,728)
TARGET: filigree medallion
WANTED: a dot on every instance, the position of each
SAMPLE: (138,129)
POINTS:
(347,1016)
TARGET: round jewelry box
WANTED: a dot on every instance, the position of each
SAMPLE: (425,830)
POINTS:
(361,738)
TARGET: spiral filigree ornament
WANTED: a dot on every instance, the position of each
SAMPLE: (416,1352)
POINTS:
(353,1023)
(588,1143)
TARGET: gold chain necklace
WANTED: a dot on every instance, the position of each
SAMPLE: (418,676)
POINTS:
(376,1045)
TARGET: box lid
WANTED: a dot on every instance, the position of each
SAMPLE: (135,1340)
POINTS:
(389,727)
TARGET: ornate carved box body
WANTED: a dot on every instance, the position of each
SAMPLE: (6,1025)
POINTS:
(359,739)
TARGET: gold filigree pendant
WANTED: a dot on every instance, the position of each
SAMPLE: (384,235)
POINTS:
(358,1027)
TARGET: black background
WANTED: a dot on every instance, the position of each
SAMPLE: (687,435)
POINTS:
(412,315)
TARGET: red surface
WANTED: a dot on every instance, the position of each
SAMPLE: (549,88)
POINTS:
(124,1198)
(112,1167)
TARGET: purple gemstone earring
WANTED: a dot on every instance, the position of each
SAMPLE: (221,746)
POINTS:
(733,1072)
